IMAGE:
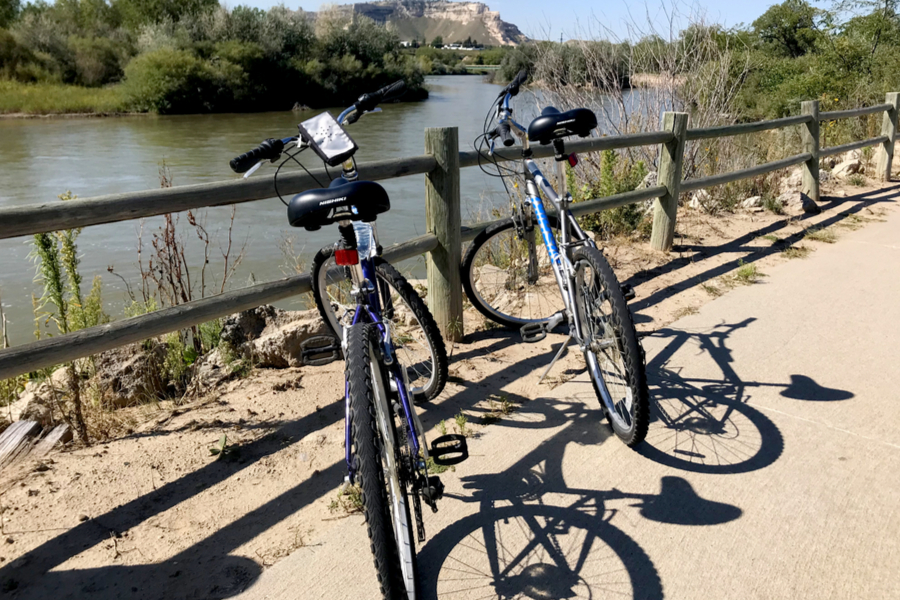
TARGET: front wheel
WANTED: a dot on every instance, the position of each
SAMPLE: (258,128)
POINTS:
(509,279)
(377,461)
(612,352)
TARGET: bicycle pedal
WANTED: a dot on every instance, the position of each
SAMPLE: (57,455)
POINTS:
(433,492)
(628,292)
(533,332)
(449,450)
(320,350)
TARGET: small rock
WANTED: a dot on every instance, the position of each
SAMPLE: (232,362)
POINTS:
(82,518)
(33,492)
(9,540)
(699,199)
(752,202)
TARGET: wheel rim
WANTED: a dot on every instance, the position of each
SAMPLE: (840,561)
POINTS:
(390,466)
(412,346)
(498,276)
(604,358)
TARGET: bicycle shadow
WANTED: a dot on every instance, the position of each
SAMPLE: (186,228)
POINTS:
(534,536)
(706,425)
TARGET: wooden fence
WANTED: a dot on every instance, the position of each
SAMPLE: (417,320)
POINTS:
(442,244)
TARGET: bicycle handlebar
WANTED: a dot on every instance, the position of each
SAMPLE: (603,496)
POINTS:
(270,149)
(513,88)
(368,102)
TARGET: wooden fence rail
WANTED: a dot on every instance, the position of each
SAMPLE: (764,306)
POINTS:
(442,244)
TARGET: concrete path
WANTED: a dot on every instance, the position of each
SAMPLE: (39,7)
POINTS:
(772,468)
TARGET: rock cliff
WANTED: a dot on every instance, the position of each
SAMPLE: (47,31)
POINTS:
(453,21)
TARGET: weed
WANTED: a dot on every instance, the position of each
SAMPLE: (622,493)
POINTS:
(685,311)
(442,427)
(773,205)
(746,274)
(796,252)
(713,290)
(437,469)
(461,420)
(348,500)
(821,234)
(771,238)
(857,180)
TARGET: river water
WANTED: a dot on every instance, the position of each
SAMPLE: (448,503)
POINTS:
(42,158)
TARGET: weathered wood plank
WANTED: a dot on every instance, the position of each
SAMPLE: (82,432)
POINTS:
(671,158)
(853,112)
(17,439)
(470,158)
(831,151)
(889,131)
(53,351)
(810,139)
(58,435)
(744,128)
(53,216)
(442,218)
(713,180)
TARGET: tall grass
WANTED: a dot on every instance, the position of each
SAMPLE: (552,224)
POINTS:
(57,98)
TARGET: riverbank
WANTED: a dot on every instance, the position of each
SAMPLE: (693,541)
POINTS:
(29,100)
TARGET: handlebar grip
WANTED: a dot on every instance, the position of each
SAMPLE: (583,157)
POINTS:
(269,149)
(504,135)
(394,90)
(521,78)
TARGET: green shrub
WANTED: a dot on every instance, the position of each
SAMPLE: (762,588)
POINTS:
(176,81)
(613,178)
(96,61)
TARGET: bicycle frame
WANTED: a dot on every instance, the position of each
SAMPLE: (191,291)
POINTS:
(535,183)
(369,310)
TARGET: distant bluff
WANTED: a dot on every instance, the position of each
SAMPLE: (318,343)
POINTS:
(453,21)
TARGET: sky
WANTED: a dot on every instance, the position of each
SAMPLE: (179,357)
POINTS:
(548,19)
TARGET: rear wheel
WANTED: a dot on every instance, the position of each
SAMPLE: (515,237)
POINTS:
(416,337)
(613,355)
(510,279)
(376,458)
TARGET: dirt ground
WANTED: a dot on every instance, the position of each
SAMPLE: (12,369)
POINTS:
(156,513)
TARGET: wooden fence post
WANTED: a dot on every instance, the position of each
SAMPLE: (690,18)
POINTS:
(671,158)
(443,219)
(888,129)
(810,138)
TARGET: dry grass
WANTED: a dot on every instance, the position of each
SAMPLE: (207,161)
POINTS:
(796,252)
(820,234)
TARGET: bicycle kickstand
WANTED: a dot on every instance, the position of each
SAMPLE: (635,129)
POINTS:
(559,353)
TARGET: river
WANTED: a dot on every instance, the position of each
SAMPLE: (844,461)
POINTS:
(42,158)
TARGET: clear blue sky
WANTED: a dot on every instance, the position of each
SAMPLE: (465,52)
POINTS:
(550,18)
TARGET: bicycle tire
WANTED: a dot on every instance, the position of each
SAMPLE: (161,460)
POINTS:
(365,381)
(470,276)
(435,375)
(629,415)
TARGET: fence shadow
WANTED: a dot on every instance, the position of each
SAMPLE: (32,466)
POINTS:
(534,536)
(739,245)
(706,424)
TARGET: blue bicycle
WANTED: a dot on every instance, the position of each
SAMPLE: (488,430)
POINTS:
(536,284)
(386,452)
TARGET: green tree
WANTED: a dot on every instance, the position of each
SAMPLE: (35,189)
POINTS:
(437,42)
(9,10)
(142,12)
(788,29)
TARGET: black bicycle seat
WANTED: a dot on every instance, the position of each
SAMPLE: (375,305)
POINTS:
(553,124)
(356,201)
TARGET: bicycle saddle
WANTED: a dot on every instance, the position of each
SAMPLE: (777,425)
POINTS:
(553,124)
(356,201)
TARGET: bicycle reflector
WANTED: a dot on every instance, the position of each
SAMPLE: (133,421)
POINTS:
(345,257)
(573,160)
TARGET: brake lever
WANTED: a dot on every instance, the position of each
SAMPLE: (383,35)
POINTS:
(253,169)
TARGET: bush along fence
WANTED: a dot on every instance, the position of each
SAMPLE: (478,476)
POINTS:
(442,245)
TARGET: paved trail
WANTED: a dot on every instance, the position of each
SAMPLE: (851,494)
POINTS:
(770,471)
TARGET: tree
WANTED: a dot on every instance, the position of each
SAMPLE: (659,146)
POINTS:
(9,10)
(438,42)
(789,28)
